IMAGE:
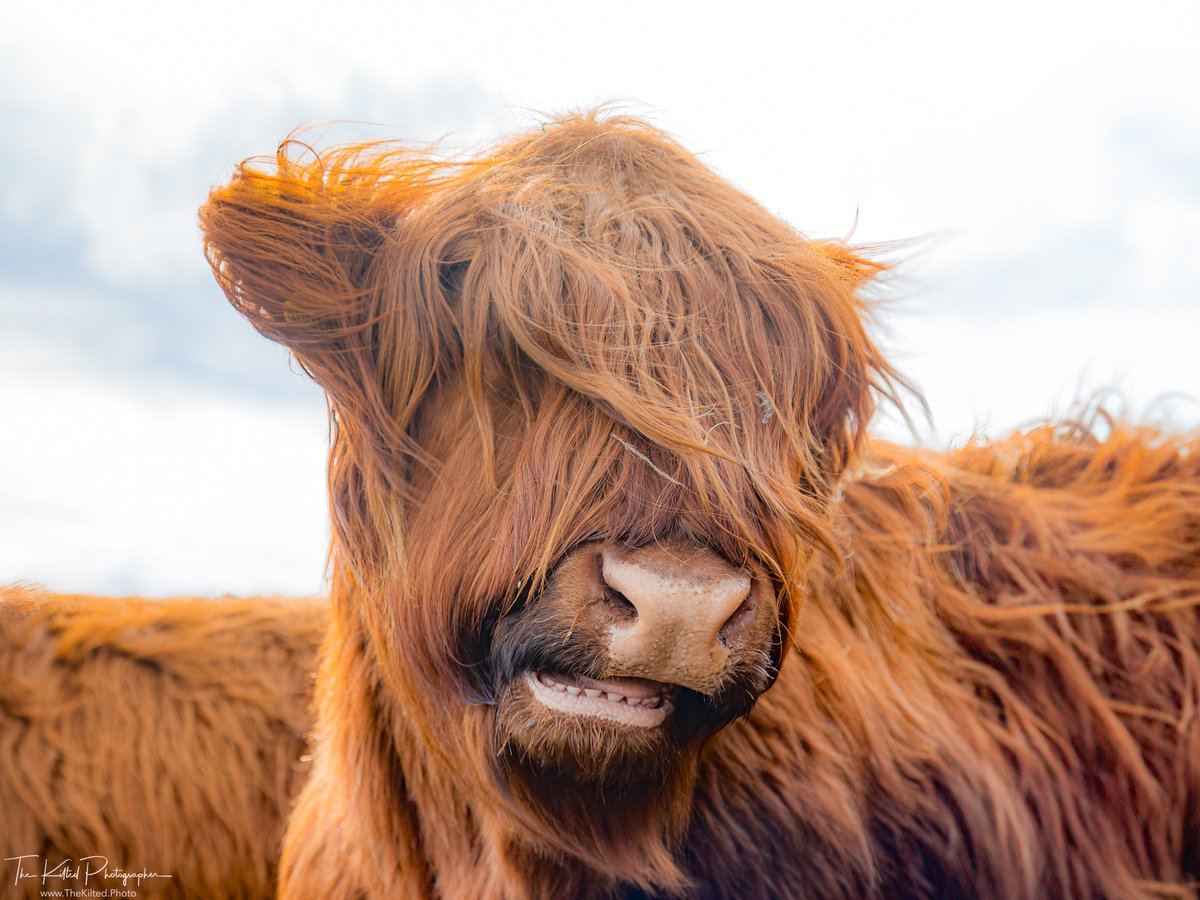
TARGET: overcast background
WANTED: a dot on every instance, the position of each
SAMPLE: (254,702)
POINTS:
(1045,157)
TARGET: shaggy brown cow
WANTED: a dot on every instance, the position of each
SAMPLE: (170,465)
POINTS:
(600,478)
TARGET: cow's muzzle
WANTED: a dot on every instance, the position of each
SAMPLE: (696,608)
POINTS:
(629,634)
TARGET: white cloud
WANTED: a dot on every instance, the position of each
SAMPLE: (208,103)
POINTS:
(156,488)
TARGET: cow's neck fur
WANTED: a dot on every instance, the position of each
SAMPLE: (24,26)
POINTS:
(391,812)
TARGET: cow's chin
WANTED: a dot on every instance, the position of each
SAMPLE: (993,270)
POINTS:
(562,727)
(609,733)
(593,777)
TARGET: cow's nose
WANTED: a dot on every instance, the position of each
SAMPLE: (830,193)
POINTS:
(686,607)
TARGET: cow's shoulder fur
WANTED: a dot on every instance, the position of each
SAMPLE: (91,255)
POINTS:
(1011,621)
(166,735)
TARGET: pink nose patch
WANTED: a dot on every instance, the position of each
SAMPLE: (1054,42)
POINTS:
(680,614)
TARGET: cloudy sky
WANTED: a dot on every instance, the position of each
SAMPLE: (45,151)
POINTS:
(1040,160)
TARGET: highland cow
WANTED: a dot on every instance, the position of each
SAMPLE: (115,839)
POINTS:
(624,600)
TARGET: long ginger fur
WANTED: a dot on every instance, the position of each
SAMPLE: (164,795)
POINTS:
(166,736)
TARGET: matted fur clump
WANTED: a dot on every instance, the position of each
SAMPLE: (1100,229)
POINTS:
(592,405)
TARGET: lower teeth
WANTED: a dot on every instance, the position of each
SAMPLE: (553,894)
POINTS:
(596,693)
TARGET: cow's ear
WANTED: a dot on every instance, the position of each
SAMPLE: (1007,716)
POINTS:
(293,245)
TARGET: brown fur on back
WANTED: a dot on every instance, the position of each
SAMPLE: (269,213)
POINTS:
(166,735)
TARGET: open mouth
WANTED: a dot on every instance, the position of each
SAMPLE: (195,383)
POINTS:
(630,701)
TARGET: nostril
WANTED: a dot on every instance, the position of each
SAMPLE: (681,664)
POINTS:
(619,601)
(611,595)
(738,620)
